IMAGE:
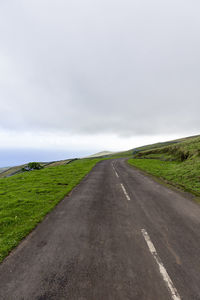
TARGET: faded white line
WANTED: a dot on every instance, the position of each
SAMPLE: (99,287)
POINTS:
(115,172)
(125,192)
(163,272)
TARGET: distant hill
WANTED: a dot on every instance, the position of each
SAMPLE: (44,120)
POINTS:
(100,154)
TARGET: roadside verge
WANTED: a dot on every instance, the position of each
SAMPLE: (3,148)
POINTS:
(28,197)
(168,175)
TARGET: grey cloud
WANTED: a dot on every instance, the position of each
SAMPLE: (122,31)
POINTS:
(123,67)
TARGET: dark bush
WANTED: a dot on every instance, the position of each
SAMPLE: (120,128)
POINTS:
(182,155)
(32,166)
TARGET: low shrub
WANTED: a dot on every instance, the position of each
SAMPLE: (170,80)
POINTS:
(32,166)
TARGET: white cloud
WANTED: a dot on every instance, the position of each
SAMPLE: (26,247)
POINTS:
(79,143)
(75,73)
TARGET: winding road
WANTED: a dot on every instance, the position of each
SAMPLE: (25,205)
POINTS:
(117,235)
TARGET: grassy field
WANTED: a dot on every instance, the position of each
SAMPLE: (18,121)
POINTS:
(57,163)
(26,198)
(178,164)
(6,172)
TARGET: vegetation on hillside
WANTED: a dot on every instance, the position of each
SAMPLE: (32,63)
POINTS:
(27,197)
(7,172)
(32,166)
(178,163)
(131,152)
(179,151)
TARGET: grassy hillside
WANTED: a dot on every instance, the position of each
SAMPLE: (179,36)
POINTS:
(26,198)
(131,152)
(100,154)
(3,169)
(180,150)
(57,163)
(17,169)
(178,163)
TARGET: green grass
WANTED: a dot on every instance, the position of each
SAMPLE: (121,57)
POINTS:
(185,175)
(149,148)
(188,148)
(26,198)
(177,163)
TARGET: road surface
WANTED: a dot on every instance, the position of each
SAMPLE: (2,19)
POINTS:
(118,235)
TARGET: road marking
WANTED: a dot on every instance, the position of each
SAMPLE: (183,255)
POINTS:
(125,192)
(163,272)
(115,171)
(116,174)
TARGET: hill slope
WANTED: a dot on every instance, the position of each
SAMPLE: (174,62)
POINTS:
(150,147)
(100,154)
(177,163)
(7,172)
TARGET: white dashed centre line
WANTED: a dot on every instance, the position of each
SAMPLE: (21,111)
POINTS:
(163,272)
(125,192)
(115,172)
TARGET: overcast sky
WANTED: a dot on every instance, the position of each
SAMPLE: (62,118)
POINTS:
(80,76)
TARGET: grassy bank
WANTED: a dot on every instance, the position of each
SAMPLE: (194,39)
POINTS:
(182,175)
(179,164)
(26,198)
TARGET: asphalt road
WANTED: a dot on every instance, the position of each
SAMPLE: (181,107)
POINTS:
(118,235)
